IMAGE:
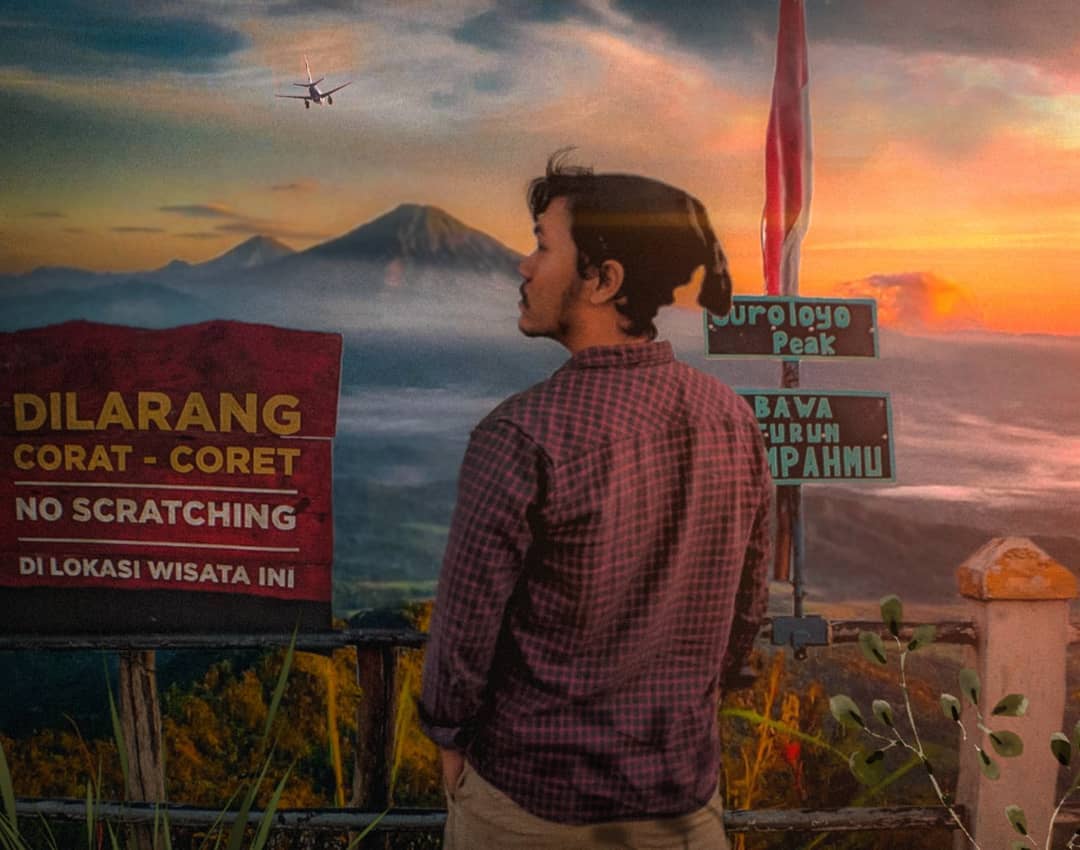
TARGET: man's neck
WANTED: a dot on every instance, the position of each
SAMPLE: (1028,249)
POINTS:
(613,336)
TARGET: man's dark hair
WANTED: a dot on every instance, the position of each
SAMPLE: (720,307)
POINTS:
(661,235)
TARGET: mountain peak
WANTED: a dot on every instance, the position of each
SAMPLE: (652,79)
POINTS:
(256,251)
(420,234)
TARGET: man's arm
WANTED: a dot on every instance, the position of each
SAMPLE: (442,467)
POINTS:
(753,594)
(499,484)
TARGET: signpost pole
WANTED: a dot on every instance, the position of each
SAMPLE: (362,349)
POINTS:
(793,534)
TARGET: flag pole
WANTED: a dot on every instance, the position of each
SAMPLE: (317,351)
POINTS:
(788,190)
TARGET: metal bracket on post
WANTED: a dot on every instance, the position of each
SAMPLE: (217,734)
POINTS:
(800,632)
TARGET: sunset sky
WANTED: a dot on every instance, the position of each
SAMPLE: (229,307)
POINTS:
(946,135)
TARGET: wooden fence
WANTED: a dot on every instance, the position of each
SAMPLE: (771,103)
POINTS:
(1019,599)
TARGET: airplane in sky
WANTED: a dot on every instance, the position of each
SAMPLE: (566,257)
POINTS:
(313,95)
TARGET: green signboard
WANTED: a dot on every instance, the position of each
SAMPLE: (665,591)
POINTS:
(791,328)
(814,437)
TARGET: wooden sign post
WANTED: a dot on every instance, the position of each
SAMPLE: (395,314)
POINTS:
(811,436)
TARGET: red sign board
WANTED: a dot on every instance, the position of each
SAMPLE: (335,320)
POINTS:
(191,465)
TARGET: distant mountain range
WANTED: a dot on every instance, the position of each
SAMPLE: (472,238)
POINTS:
(410,251)
(252,253)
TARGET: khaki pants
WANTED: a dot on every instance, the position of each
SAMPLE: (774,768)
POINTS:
(481,817)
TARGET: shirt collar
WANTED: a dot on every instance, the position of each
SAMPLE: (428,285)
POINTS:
(622,356)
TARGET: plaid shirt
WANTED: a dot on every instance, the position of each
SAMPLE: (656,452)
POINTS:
(606,569)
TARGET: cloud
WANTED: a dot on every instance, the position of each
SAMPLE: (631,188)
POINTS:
(75,36)
(296,186)
(200,210)
(501,28)
(493,82)
(708,26)
(234,221)
(134,229)
(445,100)
(1031,31)
(491,30)
(1039,32)
(917,301)
(315,7)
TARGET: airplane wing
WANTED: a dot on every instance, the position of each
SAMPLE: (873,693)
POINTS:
(294,96)
(325,93)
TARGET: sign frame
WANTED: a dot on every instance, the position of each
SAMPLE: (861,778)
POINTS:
(747,394)
(790,305)
(227,430)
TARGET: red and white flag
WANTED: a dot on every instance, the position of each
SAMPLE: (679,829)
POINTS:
(788,174)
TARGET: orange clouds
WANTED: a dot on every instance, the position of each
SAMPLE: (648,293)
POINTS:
(917,301)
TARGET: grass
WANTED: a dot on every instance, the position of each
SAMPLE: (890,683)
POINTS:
(101,832)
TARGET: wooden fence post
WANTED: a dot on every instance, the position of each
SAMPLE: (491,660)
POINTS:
(370,777)
(1019,599)
(140,720)
(376,712)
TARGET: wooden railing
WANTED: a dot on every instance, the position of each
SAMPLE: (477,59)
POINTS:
(377,650)
(376,666)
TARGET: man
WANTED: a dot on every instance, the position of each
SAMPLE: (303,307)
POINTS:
(606,567)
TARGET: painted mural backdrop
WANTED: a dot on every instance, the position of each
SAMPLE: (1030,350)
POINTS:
(152,178)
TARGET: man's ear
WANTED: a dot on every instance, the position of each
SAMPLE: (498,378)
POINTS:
(606,284)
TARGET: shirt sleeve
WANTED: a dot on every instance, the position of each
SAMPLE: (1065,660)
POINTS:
(499,487)
(752,598)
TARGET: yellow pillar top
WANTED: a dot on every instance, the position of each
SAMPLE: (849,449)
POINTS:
(1014,568)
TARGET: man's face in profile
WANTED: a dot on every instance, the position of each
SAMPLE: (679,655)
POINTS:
(551,280)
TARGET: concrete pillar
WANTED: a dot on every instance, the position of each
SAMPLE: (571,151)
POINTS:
(1019,600)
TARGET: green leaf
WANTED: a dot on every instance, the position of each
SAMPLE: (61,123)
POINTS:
(118,731)
(1013,705)
(892,614)
(356,841)
(922,636)
(44,824)
(868,768)
(1017,818)
(987,765)
(279,689)
(1061,747)
(10,839)
(262,835)
(883,712)
(950,706)
(872,647)
(1007,744)
(969,685)
(89,815)
(1076,735)
(161,827)
(843,708)
(236,834)
(1018,844)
